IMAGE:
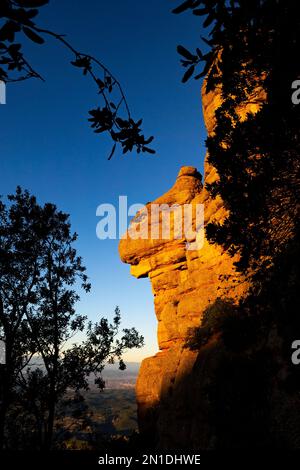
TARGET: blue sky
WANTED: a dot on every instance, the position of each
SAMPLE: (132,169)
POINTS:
(48,147)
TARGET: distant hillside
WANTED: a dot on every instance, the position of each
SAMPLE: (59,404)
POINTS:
(121,379)
(113,376)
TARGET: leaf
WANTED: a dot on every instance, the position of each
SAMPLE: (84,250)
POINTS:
(185,53)
(100,83)
(33,36)
(211,17)
(83,63)
(112,151)
(146,149)
(148,141)
(79,62)
(200,55)
(7,32)
(32,3)
(200,11)
(209,60)
(121,122)
(188,74)
(3,74)
(184,6)
(200,75)
(207,41)
(32,13)
(138,123)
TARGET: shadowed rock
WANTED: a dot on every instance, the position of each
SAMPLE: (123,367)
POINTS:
(184,283)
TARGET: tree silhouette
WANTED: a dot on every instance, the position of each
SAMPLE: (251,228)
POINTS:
(251,46)
(39,268)
(253,393)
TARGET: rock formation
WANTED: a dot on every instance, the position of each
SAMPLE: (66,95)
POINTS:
(184,283)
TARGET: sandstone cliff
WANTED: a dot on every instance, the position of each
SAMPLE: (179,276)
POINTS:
(184,283)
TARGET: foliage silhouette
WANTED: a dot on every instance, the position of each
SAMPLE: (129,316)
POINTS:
(251,48)
(253,390)
(39,268)
(17,17)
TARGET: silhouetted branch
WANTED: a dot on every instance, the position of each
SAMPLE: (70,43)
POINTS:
(123,130)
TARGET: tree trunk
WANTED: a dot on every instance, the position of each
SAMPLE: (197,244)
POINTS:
(6,385)
(51,416)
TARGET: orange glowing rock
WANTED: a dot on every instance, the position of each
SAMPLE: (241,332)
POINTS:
(184,283)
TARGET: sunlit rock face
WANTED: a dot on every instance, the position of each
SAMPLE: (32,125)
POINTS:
(171,385)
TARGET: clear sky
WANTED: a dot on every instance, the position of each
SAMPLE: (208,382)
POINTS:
(47,147)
